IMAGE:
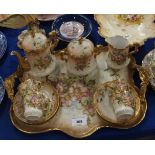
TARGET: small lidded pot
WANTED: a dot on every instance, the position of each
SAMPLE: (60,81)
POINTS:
(38,50)
(81,59)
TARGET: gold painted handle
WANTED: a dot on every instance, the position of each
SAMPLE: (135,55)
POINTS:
(135,48)
(9,85)
(53,37)
(144,76)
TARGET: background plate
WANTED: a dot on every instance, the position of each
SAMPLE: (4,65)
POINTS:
(2,89)
(3,44)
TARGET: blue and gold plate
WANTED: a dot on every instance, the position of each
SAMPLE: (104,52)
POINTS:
(3,44)
(2,89)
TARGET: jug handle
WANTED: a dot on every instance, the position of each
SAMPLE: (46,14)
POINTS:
(100,48)
(135,48)
(9,85)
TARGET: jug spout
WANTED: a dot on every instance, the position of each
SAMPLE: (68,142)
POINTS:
(117,42)
(23,64)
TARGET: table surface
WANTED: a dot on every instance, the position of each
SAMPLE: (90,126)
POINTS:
(8,65)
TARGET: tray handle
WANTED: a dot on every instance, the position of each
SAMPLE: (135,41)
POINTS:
(9,85)
(144,77)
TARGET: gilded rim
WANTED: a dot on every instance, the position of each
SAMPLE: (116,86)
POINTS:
(56,107)
(105,36)
(144,82)
(101,86)
(66,131)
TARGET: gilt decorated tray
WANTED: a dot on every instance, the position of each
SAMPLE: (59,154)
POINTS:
(78,114)
(135,28)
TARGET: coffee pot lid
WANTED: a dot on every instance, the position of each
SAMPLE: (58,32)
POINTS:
(33,39)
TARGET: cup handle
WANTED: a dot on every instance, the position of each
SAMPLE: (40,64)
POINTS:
(53,37)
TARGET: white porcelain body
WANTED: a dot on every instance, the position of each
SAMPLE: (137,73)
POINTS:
(122,111)
(37,48)
(81,59)
(118,48)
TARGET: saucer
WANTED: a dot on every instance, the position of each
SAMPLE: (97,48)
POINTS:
(70,27)
(3,44)
(103,105)
(49,104)
(2,89)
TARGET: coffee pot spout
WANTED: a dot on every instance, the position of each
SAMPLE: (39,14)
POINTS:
(23,64)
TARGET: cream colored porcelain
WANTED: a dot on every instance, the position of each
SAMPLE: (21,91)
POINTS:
(81,59)
(80,48)
(38,50)
(122,99)
(35,101)
(116,101)
(118,51)
(77,115)
(31,42)
(136,31)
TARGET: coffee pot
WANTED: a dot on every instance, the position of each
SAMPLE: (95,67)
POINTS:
(38,48)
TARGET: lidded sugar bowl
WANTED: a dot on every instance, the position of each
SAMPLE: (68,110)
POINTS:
(81,59)
(38,50)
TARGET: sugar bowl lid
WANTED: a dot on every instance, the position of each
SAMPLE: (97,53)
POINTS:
(81,47)
(33,39)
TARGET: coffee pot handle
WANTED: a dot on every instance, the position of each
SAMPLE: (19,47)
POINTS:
(53,39)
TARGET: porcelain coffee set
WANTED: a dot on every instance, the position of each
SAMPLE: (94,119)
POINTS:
(40,64)
(96,78)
